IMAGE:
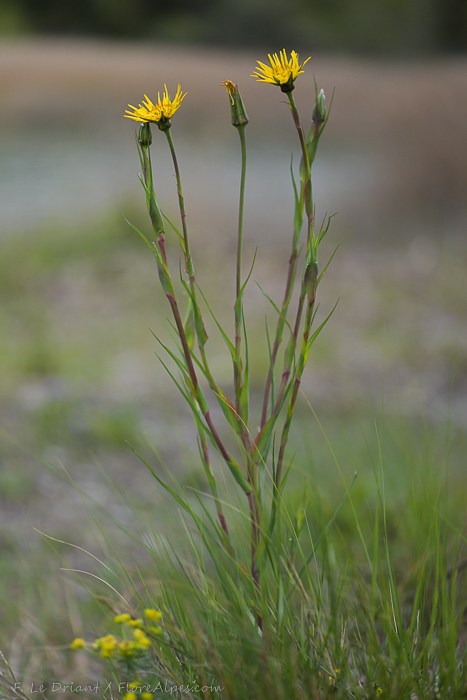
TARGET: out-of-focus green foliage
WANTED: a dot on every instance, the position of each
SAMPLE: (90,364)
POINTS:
(386,27)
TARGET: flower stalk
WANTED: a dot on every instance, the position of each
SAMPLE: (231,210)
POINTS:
(167,284)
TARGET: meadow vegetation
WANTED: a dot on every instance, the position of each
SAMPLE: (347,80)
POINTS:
(365,575)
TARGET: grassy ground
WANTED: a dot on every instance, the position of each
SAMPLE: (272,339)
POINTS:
(82,380)
(79,380)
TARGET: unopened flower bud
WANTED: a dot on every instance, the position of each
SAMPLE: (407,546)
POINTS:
(144,135)
(237,108)
(319,111)
(311,279)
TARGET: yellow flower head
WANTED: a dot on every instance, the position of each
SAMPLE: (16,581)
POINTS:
(126,648)
(77,644)
(282,71)
(164,109)
(152,614)
(124,617)
(138,622)
(107,645)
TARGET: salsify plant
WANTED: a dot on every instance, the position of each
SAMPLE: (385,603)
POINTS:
(271,603)
(259,470)
(252,465)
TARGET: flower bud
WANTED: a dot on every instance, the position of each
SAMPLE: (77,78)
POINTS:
(237,108)
(144,136)
(311,279)
(319,111)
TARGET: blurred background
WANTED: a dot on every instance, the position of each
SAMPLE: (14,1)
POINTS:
(78,289)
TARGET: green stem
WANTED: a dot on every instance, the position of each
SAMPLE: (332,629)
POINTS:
(306,200)
(307,190)
(238,308)
(190,270)
(308,289)
(181,202)
(254,497)
(292,269)
(296,386)
(148,177)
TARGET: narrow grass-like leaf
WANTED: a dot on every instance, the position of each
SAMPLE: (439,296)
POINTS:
(197,316)
(263,440)
(177,232)
(324,231)
(318,330)
(329,524)
(274,306)
(221,330)
(323,272)
(173,493)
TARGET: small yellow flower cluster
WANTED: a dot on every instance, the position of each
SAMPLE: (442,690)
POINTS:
(331,679)
(159,112)
(110,647)
(135,692)
(78,644)
(136,622)
(107,646)
(152,614)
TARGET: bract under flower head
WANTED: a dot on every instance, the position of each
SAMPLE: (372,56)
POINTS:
(164,109)
(282,71)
